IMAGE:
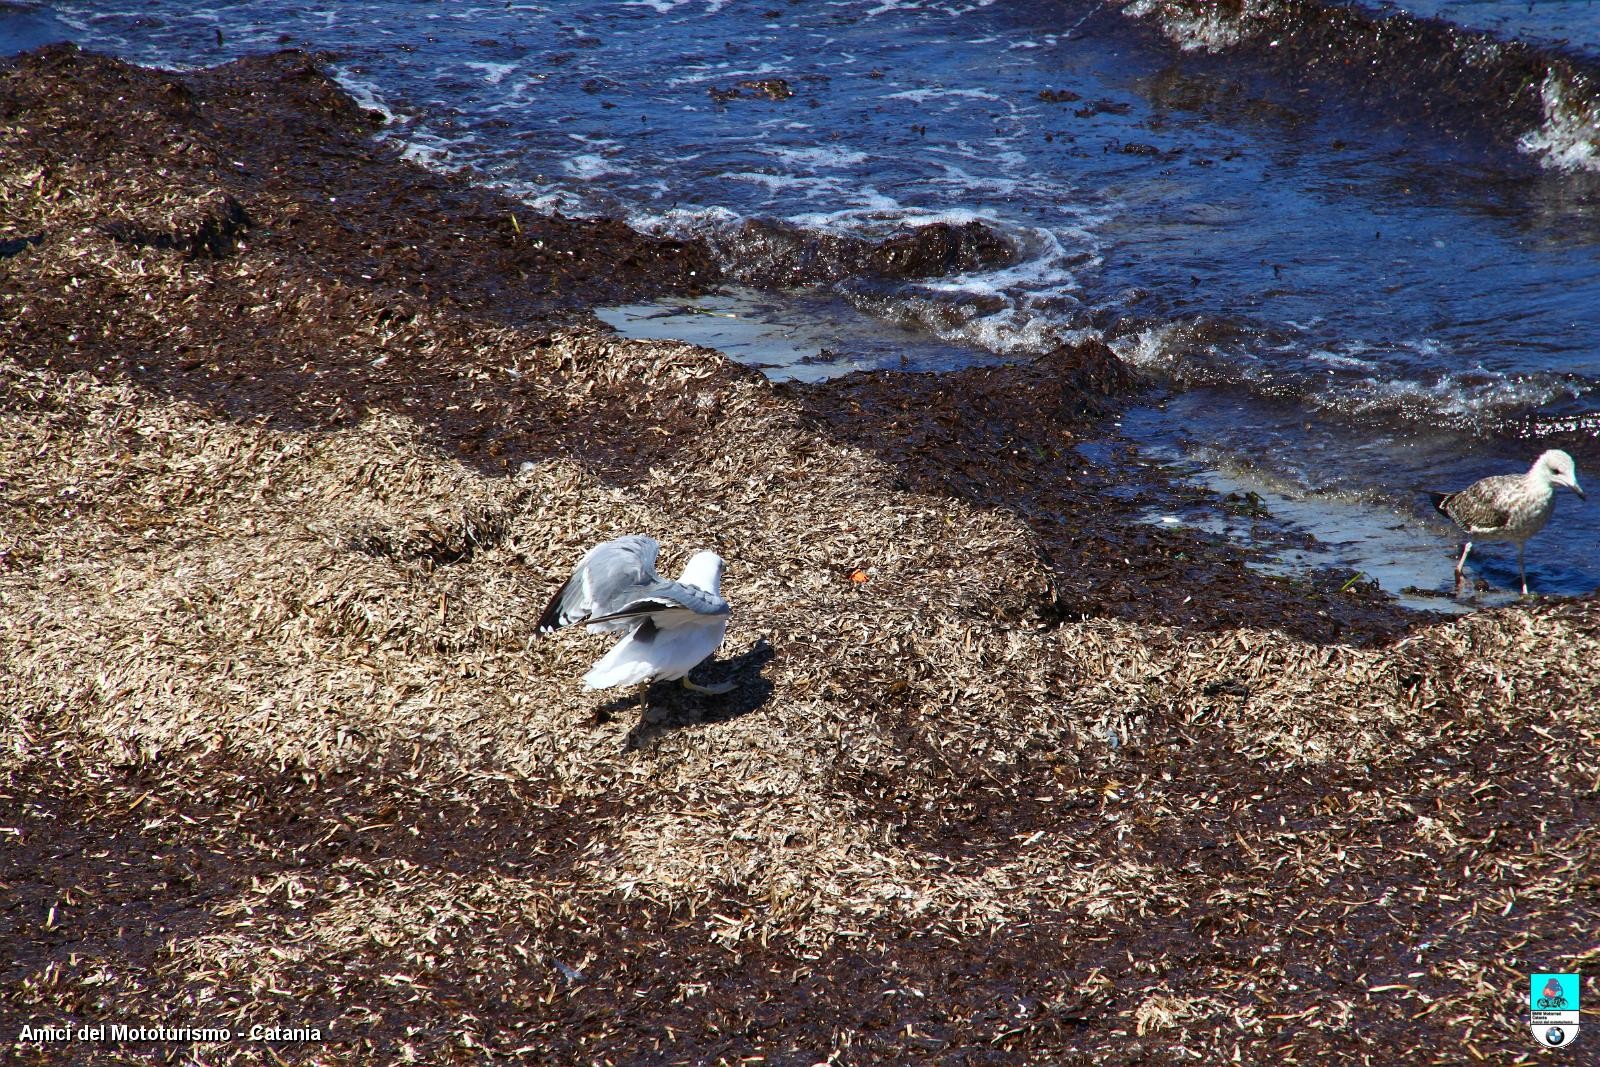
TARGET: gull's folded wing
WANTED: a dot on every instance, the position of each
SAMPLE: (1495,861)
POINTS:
(1477,507)
(608,578)
(672,605)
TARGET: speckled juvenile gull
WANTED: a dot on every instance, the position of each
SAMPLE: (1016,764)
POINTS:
(668,627)
(1509,507)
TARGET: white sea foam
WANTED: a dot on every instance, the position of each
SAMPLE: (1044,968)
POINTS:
(493,73)
(878,215)
(825,188)
(588,167)
(683,223)
(366,96)
(1018,309)
(1030,332)
(554,199)
(1341,360)
(94,28)
(821,156)
(660,7)
(953,10)
(1009,331)
(1569,139)
(1154,348)
(427,147)
(920,96)
(1017,331)
(1194,27)
(426,150)
(1463,398)
(697,73)
(965,181)
(1044,271)
(419,143)
(729,70)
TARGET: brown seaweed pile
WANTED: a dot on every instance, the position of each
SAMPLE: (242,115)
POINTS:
(295,440)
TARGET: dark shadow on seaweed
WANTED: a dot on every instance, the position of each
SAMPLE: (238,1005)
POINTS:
(11,246)
(672,707)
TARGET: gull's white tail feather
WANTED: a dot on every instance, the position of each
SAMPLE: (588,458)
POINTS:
(623,665)
(655,653)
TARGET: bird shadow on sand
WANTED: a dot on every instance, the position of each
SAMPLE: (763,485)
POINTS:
(672,707)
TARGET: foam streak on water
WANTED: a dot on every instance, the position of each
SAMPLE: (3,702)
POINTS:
(1569,139)
(1342,225)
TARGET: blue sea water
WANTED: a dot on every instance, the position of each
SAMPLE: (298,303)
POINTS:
(1571,24)
(1350,282)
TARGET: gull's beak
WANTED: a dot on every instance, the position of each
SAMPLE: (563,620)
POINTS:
(1580,492)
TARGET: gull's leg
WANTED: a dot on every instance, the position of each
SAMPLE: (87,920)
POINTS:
(1522,570)
(648,714)
(717,690)
(1460,563)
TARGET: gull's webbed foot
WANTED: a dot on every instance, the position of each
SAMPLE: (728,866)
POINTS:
(720,689)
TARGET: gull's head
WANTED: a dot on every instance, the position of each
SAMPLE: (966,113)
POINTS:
(1556,467)
(704,572)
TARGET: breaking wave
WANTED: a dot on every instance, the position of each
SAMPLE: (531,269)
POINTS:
(1524,95)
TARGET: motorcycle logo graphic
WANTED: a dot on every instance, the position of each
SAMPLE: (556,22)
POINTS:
(1553,1008)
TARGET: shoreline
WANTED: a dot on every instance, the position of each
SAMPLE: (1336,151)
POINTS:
(297,438)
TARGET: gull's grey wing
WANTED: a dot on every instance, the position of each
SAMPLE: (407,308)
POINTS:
(610,576)
(1482,506)
(669,604)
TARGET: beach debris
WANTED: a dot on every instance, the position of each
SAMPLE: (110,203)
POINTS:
(762,88)
(776,253)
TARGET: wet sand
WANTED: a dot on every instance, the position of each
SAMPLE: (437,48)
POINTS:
(297,438)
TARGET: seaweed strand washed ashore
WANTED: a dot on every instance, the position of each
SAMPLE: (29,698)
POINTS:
(295,438)
(293,231)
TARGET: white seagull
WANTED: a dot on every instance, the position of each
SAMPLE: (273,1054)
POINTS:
(1509,507)
(667,627)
